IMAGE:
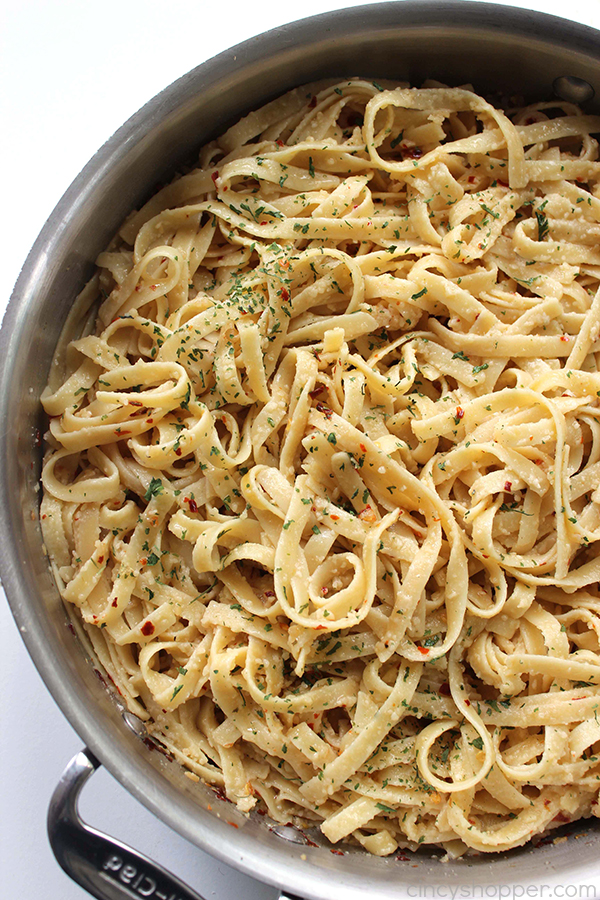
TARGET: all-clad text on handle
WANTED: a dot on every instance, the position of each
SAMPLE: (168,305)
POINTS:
(135,877)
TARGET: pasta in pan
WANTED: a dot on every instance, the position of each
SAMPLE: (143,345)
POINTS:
(322,479)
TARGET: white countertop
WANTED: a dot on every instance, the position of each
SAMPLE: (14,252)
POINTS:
(72,72)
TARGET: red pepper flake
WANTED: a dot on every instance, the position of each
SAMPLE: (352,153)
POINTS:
(192,504)
(368,515)
(135,403)
(467,702)
(279,142)
(178,452)
(100,559)
(318,390)
(459,412)
(313,102)
(115,602)
(233,825)
(324,409)
(363,448)
(215,176)
(285,294)
(152,746)
(147,629)
(565,337)
(508,486)
(334,517)
(423,650)
(561,817)
(337,852)
(100,677)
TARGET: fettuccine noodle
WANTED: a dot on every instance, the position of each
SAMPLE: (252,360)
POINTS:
(323,478)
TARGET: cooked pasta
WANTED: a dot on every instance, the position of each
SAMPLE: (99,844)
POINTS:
(323,472)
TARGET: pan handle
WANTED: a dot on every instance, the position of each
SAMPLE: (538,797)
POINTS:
(103,866)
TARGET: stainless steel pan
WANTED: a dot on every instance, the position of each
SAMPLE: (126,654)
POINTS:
(496,48)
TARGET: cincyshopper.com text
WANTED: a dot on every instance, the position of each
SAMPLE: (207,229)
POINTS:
(504,892)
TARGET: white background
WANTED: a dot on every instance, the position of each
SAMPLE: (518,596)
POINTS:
(72,72)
